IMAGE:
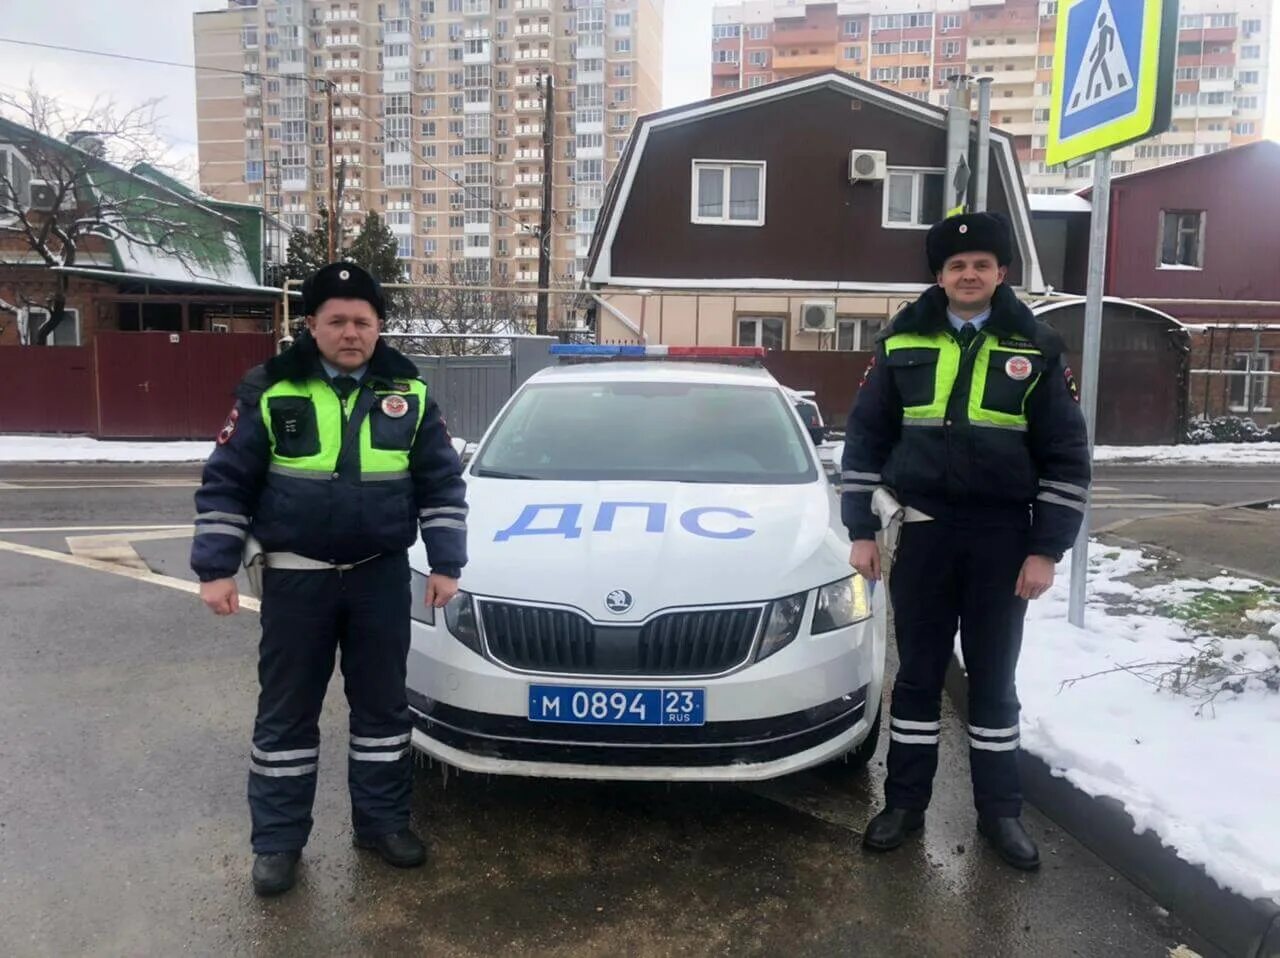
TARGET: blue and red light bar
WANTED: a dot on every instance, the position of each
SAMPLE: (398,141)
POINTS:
(658,352)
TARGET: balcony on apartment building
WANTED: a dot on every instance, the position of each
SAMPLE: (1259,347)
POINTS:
(476,53)
(1211,35)
(809,60)
(1017,103)
(342,40)
(1000,77)
(724,69)
(528,179)
(529,203)
(985,20)
(528,154)
(538,28)
(399,30)
(528,81)
(341,16)
(786,35)
(532,6)
(537,54)
(1003,51)
(529,105)
(528,129)
(1019,127)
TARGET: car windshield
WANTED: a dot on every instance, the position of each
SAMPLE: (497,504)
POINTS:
(648,431)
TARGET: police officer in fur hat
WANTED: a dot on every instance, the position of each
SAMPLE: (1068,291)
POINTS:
(333,458)
(969,417)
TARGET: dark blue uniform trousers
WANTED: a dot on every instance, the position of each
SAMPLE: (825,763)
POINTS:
(306,617)
(944,572)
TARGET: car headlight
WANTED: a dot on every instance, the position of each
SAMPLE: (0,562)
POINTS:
(841,604)
(460,617)
(782,624)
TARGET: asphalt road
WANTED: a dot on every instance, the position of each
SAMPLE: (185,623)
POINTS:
(125,715)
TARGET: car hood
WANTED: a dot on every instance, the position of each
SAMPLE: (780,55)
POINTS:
(675,544)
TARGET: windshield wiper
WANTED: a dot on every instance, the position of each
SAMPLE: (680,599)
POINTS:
(498,474)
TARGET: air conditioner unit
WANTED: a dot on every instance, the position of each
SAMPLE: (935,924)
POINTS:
(817,316)
(43,196)
(867,165)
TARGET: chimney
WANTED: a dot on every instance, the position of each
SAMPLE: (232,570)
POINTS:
(955,189)
(87,140)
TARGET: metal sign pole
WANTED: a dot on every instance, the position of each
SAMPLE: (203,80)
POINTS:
(1089,361)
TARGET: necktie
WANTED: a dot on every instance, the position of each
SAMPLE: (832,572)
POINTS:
(345,385)
(965,335)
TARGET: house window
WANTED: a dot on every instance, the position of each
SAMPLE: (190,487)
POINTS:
(950,49)
(853,28)
(757,80)
(728,194)
(758,58)
(766,331)
(913,199)
(623,46)
(1251,51)
(1182,239)
(853,53)
(1249,382)
(1246,129)
(67,332)
(950,21)
(758,31)
(854,335)
(1249,77)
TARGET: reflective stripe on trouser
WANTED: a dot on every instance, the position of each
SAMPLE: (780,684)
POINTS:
(306,617)
(942,575)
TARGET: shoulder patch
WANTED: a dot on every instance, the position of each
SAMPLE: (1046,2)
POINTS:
(866,373)
(1072,388)
(229,427)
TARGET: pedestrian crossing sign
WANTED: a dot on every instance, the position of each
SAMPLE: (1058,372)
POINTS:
(1113,70)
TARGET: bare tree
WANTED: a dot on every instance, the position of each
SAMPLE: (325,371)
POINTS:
(78,161)
(463,307)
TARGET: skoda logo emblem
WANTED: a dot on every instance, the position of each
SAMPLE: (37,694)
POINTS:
(618,601)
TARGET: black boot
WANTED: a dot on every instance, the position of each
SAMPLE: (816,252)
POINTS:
(890,828)
(275,872)
(403,849)
(1010,841)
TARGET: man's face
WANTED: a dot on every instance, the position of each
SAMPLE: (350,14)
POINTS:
(346,330)
(970,279)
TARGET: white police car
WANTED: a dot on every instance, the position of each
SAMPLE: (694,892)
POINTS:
(654,589)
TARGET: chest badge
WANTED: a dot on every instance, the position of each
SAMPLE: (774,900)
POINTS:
(1017,367)
(394,406)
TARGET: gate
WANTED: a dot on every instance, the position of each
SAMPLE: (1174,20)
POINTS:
(171,385)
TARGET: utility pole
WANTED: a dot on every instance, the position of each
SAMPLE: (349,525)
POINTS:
(544,230)
(332,177)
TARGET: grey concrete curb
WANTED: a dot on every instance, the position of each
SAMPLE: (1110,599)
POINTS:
(1241,927)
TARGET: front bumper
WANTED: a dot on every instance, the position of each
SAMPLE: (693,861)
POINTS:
(809,703)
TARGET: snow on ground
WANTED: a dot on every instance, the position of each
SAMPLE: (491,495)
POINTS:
(84,449)
(1202,778)
(1211,452)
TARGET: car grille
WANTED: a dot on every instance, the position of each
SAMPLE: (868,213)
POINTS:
(701,642)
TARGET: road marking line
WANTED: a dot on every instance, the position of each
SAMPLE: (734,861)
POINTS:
(33,529)
(89,486)
(1125,495)
(154,578)
(1161,506)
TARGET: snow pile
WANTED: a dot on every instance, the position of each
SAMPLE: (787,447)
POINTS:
(1211,452)
(1202,775)
(84,449)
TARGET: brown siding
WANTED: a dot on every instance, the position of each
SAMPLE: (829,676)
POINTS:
(818,227)
(1242,229)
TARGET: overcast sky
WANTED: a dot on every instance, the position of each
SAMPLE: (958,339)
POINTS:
(161,29)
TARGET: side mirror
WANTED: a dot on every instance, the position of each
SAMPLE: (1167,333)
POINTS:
(464,449)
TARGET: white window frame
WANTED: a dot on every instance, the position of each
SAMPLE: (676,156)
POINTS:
(1255,376)
(915,172)
(73,316)
(861,342)
(726,166)
(757,323)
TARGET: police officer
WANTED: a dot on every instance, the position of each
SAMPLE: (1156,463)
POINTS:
(968,415)
(332,458)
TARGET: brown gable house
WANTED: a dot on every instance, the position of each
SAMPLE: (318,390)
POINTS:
(740,221)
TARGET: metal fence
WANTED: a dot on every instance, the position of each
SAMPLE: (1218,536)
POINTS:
(471,390)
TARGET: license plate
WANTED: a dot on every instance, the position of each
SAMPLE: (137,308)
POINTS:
(592,705)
